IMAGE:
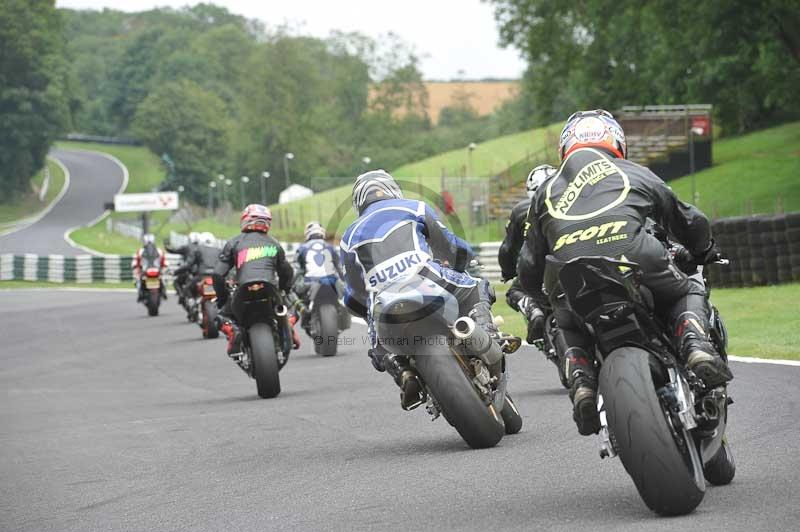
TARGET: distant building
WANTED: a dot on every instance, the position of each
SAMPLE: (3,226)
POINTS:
(294,192)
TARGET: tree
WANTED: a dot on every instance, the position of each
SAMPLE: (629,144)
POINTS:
(34,100)
(603,53)
(190,124)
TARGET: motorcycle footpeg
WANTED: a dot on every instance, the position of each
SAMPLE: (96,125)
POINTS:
(509,344)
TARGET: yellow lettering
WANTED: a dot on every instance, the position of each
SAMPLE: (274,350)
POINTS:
(560,242)
(589,233)
(573,237)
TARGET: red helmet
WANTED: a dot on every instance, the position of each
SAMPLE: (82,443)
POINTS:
(255,217)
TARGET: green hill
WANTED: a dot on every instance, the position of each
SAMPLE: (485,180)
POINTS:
(751,173)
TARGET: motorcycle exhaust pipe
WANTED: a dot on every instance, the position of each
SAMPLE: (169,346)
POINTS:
(710,408)
(281,311)
(476,341)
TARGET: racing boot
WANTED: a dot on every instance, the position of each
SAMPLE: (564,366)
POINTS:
(700,355)
(535,324)
(232,332)
(582,379)
(412,393)
(481,313)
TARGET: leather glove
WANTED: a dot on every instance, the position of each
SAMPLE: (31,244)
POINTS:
(711,254)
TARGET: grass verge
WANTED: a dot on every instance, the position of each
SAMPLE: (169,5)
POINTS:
(762,322)
(749,174)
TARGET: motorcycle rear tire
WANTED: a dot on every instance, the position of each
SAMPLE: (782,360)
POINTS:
(210,318)
(477,423)
(328,330)
(264,360)
(666,482)
(153,300)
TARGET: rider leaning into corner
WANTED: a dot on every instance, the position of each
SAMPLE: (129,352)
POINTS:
(257,257)
(393,238)
(508,254)
(597,204)
(147,256)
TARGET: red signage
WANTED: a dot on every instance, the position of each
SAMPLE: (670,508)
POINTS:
(701,125)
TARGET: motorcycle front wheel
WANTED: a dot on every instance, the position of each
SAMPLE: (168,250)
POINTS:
(477,423)
(665,475)
(153,300)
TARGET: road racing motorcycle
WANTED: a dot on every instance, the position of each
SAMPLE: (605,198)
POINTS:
(206,306)
(151,289)
(462,369)
(266,335)
(667,428)
(323,315)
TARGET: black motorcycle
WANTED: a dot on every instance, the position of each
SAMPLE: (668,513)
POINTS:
(666,426)
(463,370)
(323,316)
(266,335)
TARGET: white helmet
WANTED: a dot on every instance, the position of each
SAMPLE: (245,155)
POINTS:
(207,239)
(373,186)
(148,238)
(194,237)
(538,175)
(314,229)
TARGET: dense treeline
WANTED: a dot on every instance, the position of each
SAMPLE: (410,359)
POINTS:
(223,94)
(219,93)
(35,100)
(741,56)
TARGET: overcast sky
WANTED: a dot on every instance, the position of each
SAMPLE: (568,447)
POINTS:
(449,35)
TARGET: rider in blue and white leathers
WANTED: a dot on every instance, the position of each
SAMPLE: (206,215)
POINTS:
(394,238)
(317,261)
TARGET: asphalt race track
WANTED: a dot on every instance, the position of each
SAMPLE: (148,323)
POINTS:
(94,179)
(110,420)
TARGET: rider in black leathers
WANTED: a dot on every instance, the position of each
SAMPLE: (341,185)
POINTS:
(508,255)
(183,274)
(257,257)
(598,204)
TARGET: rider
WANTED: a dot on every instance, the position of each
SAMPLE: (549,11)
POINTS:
(148,256)
(317,261)
(508,254)
(597,204)
(391,232)
(257,257)
(182,274)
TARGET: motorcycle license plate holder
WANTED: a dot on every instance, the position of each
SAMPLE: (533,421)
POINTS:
(152,283)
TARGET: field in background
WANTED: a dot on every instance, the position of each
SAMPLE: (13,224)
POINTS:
(483,96)
(762,321)
(29,205)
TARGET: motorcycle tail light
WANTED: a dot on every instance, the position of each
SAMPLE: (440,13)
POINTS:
(208,280)
(152,272)
(255,287)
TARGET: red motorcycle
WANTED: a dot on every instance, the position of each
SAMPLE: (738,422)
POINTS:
(207,307)
(152,288)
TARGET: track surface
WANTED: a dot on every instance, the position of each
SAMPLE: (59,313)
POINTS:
(110,420)
(94,180)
